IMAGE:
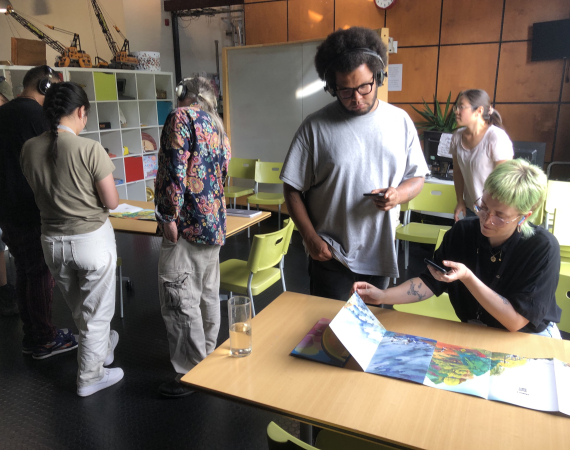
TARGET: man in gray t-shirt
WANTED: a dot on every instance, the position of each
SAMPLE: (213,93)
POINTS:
(354,146)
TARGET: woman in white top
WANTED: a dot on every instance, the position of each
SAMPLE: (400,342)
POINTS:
(477,147)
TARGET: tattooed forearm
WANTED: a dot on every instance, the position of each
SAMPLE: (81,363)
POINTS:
(416,292)
(505,301)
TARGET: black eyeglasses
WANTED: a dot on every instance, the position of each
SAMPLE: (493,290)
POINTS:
(363,89)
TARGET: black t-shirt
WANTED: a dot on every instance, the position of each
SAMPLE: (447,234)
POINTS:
(525,272)
(20,120)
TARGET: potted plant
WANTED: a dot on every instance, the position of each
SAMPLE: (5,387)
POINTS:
(435,123)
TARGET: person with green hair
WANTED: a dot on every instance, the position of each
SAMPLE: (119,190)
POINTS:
(501,270)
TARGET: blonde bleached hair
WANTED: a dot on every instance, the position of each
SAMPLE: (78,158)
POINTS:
(200,90)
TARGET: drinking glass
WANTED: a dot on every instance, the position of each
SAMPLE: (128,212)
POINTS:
(239,315)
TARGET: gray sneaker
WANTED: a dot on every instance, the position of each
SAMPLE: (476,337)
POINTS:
(8,303)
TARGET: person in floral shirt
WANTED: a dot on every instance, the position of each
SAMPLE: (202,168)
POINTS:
(190,210)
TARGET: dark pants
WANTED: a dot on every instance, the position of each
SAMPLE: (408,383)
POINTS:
(34,283)
(331,279)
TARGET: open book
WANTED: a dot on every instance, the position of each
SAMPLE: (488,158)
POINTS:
(536,383)
(242,212)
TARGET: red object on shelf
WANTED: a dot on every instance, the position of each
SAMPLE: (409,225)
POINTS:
(134,169)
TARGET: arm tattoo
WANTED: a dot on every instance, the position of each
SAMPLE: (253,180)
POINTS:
(416,292)
(505,301)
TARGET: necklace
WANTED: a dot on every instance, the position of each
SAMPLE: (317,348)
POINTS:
(494,257)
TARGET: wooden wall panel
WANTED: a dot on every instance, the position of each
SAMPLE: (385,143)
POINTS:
(528,122)
(521,80)
(521,14)
(465,21)
(566,90)
(266,23)
(310,19)
(414,22)
(562,146)
(467,67)
(358,13)
(419,68)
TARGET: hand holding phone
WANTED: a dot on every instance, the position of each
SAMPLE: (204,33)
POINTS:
(435,266)
(378,194)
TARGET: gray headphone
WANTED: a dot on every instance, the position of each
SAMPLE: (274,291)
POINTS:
(379,76)
(181,89)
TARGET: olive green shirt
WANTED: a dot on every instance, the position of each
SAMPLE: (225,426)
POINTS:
(65,191)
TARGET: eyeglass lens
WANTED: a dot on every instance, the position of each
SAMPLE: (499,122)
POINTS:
(363,89)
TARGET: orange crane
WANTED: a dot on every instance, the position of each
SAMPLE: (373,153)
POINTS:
(71,56)
(122,58)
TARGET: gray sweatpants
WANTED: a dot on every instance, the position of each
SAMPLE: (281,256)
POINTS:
(189,286)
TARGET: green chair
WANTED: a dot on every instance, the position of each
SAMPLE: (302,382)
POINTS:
(438,307)
(438,198)
(279,439)
(239,168)
(561,230)
(563,300)
(255,275)
(267,173)
(557,195)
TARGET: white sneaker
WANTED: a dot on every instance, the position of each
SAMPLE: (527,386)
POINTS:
(114,338)
(111,377)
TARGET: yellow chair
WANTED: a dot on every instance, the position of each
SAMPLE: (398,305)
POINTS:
(561,230)
(239,168)
(438,307)
(557,195)
(255,275)
(267,173)
(438,198)
(279,439)
(563,300)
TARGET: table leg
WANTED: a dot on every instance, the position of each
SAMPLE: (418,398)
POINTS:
(307,433)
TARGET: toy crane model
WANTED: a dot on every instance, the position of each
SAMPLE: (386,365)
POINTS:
(71,56)
(122,58)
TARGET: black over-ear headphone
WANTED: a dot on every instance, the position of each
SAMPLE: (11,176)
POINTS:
(181,89)
(379,76)
(45,83)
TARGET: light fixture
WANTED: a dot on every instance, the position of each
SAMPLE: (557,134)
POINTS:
(4,6)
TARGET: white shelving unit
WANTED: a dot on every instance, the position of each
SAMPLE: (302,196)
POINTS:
(138,102)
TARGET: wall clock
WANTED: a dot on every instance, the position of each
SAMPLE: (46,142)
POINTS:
(385,4)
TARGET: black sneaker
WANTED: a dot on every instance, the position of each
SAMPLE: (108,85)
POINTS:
(8,303)
(175,389)
(64,341)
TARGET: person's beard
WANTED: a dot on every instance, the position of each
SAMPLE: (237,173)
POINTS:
(360,113)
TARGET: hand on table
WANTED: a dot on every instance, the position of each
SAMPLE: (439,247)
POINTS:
(368,293)
(170,231)
(457,271)
(390,199)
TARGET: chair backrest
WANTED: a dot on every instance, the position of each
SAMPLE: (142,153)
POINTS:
(557,195)
(563,300)
(267,250)
(433,197)
(279,439)
(440,238)
(268,172)
(537,216)
(242,168)
(561,225)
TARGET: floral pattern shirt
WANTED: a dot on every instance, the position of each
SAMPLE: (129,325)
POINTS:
(192,168)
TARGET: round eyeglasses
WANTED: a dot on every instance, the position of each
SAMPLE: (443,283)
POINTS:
(460,108)
(483,213)
(363,89)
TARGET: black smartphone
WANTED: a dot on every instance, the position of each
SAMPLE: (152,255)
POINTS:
(379,194)
(434,265)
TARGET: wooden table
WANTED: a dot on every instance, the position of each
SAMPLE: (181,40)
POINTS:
(233,224)
(378,408)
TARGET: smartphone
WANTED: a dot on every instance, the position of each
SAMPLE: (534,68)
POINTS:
(379,194)
(435,266)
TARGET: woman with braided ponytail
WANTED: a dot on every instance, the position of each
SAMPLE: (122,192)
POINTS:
(72,180)
(477,148)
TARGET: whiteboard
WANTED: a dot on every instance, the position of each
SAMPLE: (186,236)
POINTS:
(268,97)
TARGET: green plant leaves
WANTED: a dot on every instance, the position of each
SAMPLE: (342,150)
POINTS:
(436,120)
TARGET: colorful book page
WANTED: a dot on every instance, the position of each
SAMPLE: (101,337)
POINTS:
(402,356)
(458,369)
(358,329)
(321,345)
(562,376)
(527,382)
(145,214)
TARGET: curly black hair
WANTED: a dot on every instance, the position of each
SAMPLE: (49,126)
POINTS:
(337,53)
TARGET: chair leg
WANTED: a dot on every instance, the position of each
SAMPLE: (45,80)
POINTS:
(248,228)
(407,254)
(397,253)
(279,218)
(250,294)
(258,223)
(281,267)
(121,288)
(235,198)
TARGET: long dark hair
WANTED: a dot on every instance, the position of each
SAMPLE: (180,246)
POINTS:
(60,101)
(478,97)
